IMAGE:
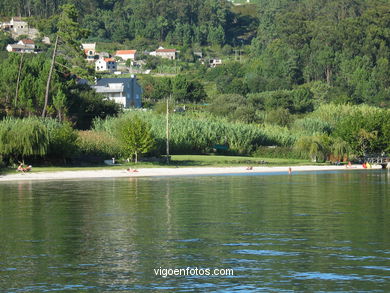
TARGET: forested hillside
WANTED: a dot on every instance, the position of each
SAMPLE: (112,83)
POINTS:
(344,44)
(309,77)
(179,22)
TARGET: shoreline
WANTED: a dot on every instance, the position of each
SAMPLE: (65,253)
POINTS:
(168,172)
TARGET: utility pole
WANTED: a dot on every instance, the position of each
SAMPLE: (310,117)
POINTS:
(167,130)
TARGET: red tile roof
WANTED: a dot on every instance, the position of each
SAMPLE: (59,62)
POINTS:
(27,41)
(109,59)
(125,52)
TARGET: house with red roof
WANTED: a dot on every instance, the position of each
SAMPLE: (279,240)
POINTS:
(166,53)
(23,46)
(106,64)
(90,51)
(126,54)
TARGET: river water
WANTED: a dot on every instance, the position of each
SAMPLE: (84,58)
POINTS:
(326,231)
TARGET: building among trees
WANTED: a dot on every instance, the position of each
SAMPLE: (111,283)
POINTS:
(124,91)
(106,64)
(23,46)
(126,54)
(166,53)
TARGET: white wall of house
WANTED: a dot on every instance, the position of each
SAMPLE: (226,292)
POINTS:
(166,53)
(127,56)
(105,65)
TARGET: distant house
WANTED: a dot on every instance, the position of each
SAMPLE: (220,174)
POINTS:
(90,51)
(166,53)
(106,64)
(215,62)
(23,46)
(126,54)
(18,27)
(124,91)
(17,24)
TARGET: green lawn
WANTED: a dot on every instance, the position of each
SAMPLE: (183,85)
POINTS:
(225,161)
(179,160)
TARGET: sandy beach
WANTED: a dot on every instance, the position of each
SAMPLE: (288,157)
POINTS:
(163,172)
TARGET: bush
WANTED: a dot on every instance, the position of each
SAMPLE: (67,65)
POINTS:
(366,133)
(296,101)
(20,138)
(312,126)
(279,116)
(199,135)
(62,140)
(97,144)
(135,137)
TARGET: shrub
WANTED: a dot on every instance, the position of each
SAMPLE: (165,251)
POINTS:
(198,135)
(62,139)
(312,126)
(20,138)
(97,144)
(135,137)
(277,152)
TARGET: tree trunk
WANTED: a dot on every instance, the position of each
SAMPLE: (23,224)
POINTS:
(18,80)
(328,74)
(136,157)
(53,59)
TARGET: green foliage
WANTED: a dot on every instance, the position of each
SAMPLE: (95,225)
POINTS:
(181,88)
(279,116)
(20,138)
(278,152)
(69,29)
(343,44)
(366,133)
(314,147)
(87,105)
(198,135)
(184,90)
(62,139)
(232,106)
(312,126)
(296,101)
(70,101)
(135,136)
(98,144)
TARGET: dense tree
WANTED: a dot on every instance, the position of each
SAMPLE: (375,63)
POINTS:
(136,137)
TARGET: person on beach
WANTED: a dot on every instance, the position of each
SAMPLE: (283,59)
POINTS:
(249,168)
(289,170)
(22,169)
(131,170)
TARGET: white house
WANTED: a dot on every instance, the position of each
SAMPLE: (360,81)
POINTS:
(106,64)
(90,51)
(18,24)
(215,62)
(18,27)
(126,54)
(23,46)
(28,43)
(166,53)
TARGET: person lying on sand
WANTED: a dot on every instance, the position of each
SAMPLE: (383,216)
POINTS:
(131,170)
(22,169)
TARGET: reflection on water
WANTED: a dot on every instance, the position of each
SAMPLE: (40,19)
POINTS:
(306,232)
